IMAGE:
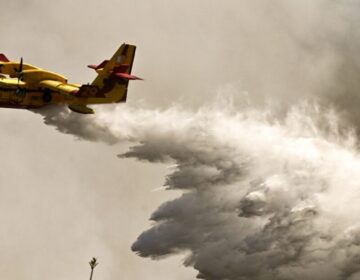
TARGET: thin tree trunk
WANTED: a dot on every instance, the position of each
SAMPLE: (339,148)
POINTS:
(91,274)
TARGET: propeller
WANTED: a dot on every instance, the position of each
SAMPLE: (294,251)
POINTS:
(19,74)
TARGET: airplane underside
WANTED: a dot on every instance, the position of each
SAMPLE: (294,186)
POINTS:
(24,98)
(35,99)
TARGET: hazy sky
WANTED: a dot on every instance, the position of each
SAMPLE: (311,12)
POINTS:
(64,200)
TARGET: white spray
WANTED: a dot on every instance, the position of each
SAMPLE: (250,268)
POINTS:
(263,199)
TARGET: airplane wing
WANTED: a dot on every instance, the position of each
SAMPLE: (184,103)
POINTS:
(11,83)
(59,87)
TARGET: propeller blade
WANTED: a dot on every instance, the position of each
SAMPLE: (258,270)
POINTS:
(20,71)
(21,65)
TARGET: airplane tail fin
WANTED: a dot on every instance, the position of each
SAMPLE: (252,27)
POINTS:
(114,74)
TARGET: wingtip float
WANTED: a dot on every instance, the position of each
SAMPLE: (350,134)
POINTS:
(25,86)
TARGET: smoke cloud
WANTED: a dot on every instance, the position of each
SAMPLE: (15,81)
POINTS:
(265,195)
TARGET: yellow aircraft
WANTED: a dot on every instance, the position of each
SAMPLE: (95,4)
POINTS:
(25,86)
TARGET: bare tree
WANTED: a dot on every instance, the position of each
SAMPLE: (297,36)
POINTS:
(92,263)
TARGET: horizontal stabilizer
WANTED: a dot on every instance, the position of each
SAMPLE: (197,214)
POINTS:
(3,58)
(127,76)
(101,65)
(82,109)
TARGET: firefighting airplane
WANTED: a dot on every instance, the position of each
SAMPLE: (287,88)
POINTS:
(28,87)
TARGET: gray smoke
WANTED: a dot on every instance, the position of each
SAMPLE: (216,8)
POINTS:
(265,195)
